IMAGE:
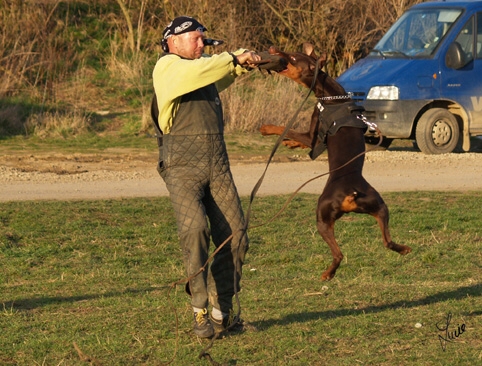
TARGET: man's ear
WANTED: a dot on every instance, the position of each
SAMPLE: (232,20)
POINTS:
(172,42)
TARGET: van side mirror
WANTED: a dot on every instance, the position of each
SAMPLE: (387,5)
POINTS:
(455,57)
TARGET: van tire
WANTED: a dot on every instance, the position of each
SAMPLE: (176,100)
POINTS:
(437,132)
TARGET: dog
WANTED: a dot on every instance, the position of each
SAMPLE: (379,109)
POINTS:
(338,126)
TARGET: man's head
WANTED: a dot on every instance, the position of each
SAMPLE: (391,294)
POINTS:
(184,36)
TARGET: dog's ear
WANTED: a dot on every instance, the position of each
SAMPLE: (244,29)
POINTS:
(309,50)
(322,60)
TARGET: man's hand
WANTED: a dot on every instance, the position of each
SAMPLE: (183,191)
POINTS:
(263,60)
(248,59)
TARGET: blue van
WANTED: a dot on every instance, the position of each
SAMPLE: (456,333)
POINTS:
(423,79)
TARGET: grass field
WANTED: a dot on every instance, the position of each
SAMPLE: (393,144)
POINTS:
(89,282)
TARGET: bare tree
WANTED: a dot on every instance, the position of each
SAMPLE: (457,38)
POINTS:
(344,29)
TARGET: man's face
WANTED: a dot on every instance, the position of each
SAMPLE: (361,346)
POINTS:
(189,45)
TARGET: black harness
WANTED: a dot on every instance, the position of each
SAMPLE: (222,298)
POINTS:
(331,118)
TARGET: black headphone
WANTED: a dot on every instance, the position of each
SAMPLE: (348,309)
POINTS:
(164,45)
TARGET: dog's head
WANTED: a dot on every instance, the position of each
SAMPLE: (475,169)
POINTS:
(300,66)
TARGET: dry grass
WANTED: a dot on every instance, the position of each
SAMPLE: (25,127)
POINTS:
(56,124)
(257,100)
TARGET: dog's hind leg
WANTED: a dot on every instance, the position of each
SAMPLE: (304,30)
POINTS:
(369,201)
(327,232)
(382,217)
(326,217)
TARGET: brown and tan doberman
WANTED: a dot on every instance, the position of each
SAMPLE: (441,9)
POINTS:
(335,125)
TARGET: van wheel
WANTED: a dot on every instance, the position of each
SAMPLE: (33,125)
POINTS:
(437,132)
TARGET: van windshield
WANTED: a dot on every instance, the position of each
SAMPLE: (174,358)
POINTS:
(417,33)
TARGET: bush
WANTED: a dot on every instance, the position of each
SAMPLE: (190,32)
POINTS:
(99,55)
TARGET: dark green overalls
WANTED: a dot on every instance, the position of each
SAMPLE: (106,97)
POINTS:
(194,165)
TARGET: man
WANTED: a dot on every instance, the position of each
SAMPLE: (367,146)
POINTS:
(194,165)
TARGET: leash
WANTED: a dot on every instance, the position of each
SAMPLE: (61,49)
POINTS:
(278,143)
(252,196)
(204,353)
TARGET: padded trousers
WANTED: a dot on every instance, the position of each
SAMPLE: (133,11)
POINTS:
(207,206)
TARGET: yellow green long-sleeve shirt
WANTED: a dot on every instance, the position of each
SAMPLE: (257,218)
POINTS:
(174,76)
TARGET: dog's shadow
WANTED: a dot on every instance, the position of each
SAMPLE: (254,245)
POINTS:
(457,294)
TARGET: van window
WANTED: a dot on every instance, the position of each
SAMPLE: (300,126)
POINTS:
(479,35)
(417,33)
(466,39)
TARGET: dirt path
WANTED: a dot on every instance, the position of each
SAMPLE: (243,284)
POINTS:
(117,174)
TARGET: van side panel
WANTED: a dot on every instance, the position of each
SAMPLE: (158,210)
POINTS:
(395,118)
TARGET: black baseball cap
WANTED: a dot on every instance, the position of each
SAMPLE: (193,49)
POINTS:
(182,24)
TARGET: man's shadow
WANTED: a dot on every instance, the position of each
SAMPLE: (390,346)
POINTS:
(38,302)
